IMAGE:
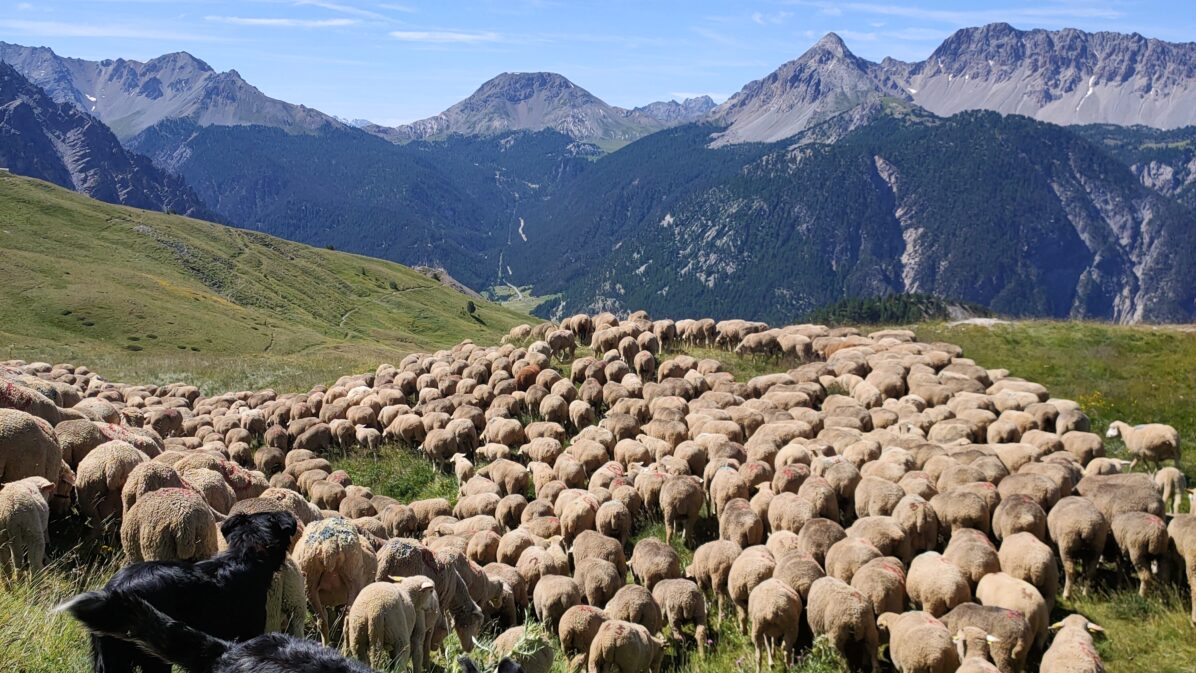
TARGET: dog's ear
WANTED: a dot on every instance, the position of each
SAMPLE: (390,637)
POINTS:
(229,528)
(286,524)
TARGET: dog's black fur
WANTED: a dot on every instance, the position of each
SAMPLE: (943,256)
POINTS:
(125,616)
(223,597)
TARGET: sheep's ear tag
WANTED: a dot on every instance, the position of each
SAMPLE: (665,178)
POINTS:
(1056,626)
(957,638)
(395,578)
(992,639)
(1095,628)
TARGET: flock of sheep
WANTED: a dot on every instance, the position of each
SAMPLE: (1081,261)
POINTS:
(881,490)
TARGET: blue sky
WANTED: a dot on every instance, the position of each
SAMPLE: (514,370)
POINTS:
(395,61)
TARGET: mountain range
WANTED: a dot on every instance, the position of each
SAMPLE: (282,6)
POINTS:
(1035,172)
(57,143)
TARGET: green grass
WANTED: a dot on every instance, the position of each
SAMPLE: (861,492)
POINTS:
(518,299)
(398,472)
(150,297)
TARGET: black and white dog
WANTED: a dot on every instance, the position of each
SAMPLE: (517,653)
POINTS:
(223,598)
(118,614)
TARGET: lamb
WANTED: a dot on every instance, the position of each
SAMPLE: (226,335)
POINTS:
(1010,634)
(652,560)
(380,628)
(918,643)
(1143,539)
(624,647)
(1072,650)
(169,524)
(1151,443)
(845,617)
(634,603)
(337,564)
(1006,591)
(1171,484)
(682,603)
(24,524)
(1027,558)
(936,584)
(774,611)
(576,631)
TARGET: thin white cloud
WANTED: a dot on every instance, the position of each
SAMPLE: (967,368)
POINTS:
(24,6)
(343,9)
(395,7)
(444,36)
(773,18)
(281,23)
(64,29)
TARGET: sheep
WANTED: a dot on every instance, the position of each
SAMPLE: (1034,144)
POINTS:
(1142,538)
(29,447)
(1019,513)
(599,579)
(973,553)
(752,567)
(1151,443)
(553,595)
(681,603)
(169,524)
(336,563)
(1006,591)
(1010,634)
(100,478)
(634,603)
(24,523)
(1171,484)
(918,643)
(882,581)
(380,628)
(739,524)
(1182,531)
(286,601)
(653,560)
(576,631)
(973,647)
(592,544)
(1027,558)
(936,584)
(531,654)
(774,611)
(845,617)
(624,647)
(1072,650)
(960,509)
(1079,531)
(711,568)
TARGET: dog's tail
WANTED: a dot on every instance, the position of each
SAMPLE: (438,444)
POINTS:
(129,617)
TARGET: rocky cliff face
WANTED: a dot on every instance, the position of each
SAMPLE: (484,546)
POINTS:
(824,82)
(56,142)
(677,112)
(1065,77)
(130,96)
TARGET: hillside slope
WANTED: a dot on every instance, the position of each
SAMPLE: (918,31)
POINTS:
(162,297)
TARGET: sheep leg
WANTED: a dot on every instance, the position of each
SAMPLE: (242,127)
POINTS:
(1191,563)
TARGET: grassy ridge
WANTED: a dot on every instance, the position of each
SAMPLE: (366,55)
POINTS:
(150,297)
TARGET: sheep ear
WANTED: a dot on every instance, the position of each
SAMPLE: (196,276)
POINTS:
(991,638)
(1056,626)
(1095,628)
(957,638)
